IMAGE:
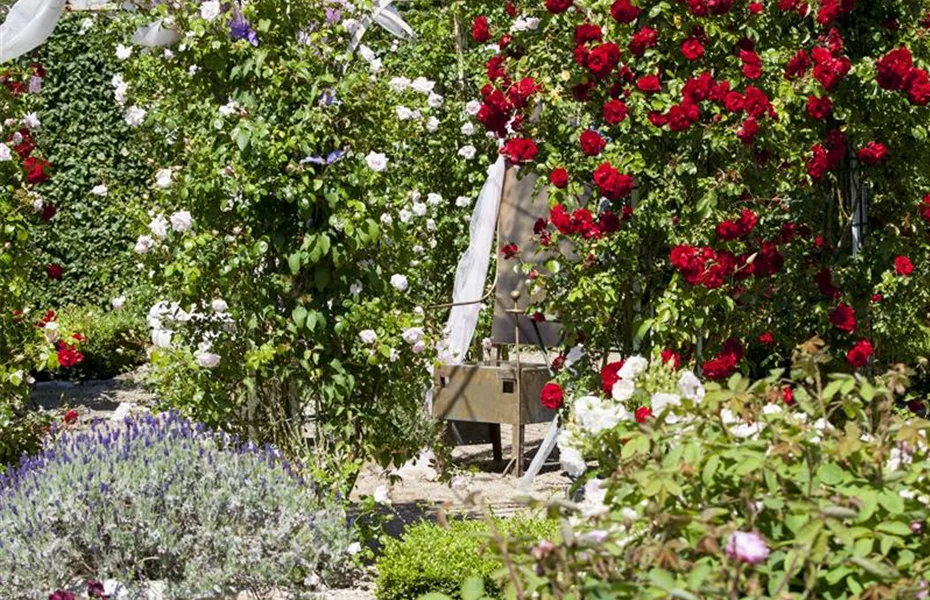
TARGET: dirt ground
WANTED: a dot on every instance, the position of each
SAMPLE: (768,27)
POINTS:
(473,483)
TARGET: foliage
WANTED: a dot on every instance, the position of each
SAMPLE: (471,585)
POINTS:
(704,162)
(795,486)
(116,340)
(437,558)
(165,499)
(84,136)
(301,190)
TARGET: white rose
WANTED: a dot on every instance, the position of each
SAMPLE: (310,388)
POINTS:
(123,52)
(433,199)
(412,335)
(356,288)
(633,367)
(399,84)
(404,215)
(472,108)
(118,303)
(210,10)
(423,85)
(463,201)
(434,100)
(100,190)
(376,161)
(182,221)
(134,116)
(144,244)
(207,360)
(51,332)
(368,336)
(432,125)
(86,24)
(468,129)
(419,209)
(623,390)
(467,152)
(382,495)
(163,178)
(690,387)
(219,306)
(419,347)
(159,227)
(5,153)
(404,113)
(387,219)
(31,121)
(430,225)
(400,282)
(661,401)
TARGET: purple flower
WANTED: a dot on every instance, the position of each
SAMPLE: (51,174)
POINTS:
(333,16)
(747,547)
(240,29)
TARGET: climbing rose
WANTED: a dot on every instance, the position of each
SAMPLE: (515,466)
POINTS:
(894,69)
(558,6)
(649,84)
(643,413)
(611,183)
(859,355)
(592,143)
(552,396)
(643,39)
(692,48)
(767,338)
(873,153)
(603,59)
(520,150)
(615,112)
(819,108)
(752,64)
(903,266)
(588,32)
(479,29)
(36,169)
(559,178)
(747,547)
(54,272)
(609,376)
(509,251)
(624,12)
(843,317)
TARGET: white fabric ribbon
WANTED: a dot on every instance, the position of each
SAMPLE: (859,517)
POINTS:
(28,24)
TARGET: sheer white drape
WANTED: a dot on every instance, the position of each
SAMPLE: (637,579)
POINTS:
(27,25)
(472,272)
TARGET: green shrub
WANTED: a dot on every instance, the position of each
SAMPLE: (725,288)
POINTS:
(116,340)
(434,558)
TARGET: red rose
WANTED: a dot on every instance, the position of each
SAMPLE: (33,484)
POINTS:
(829,70)
(798,65)
(649,84)
(48,212)
(725,363)
(843,317)
(592,143)
(609,376)
(903,266)
(859,355)
(918,87)
(819,108)
(748,132)
(495,112)
(70,417)
(756,8)
(36,169)
(26,146)
(587,32)
(670,357)
(658,119)
(521,91)
(611,183)
(752,64)
(643,413)
(734,102)
(873,153)
(54,272)
(615,112)
(623,11)
(877,298)
(924,209)
(603,59)
(68,355)
(831,10)
(552,396)
(558,6)
(643,39)
(509,251)
(757,104)
(767,339)
(520,150)
(894,69)
(697,89)
(559,178)
(787,395)
(824,279)
(692,48)
(479,29)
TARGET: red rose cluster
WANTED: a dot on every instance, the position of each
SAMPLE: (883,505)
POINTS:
(724,364)
(581,222)
(896,72)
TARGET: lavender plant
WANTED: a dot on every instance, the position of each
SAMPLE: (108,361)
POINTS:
(165,499)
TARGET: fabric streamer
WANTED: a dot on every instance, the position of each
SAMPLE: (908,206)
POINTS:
(387,17)
(28,24)
(472,272)
(154,35)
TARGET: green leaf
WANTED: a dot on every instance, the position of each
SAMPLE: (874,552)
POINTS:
(831,474)
(891,502)
(894,528)
(299,316)
(473,588)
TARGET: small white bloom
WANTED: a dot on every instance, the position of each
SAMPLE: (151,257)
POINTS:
(38,204)
(193,69)
(5,154)
(163,178)
(467,152)
(86,24)
(182,221)
(51,332)
(472,108)
(574,355)
(412,335)
(570,457)
(468,129)
(387,219)
(404,215)
(463,201)
(368,336)
(623,390)
(400,282)
(399,84)
(134,116)
(525,24)
(595,416)
(100,190)
(419,347)
(376,161)
(403,113)
(434,100)
(123,52)
(31,121)
(229,108)
(633,367)
(219,306)
(210,10)
(168,54)
(419,209)
(159,227)
(594,504)
(661,401)
(356,288)
(382,495)
(144,244)
(423,85)
(432,125)
(690,387)
(207,360)
(118,303)
(354,548)
(433,199)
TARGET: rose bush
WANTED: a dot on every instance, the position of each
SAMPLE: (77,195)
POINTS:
(797,485)
(710,164)
(309,205)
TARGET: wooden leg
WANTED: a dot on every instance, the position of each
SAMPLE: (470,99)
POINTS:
(496,446)
(517,449)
